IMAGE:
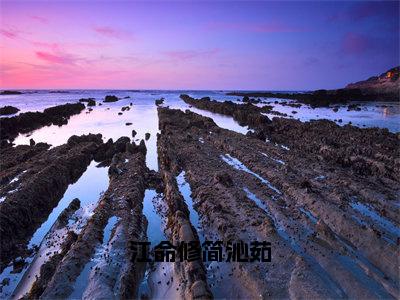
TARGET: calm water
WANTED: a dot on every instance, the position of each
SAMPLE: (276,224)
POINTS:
(104,119)
(143,115)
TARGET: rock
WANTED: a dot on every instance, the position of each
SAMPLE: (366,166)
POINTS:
(8,110)
(18,265)
(354,107)
(5,282)
(128,124)
(111,98)
(10,93)
(89,101)
(29,121)
(120,113)
(159,101)
(223,178)
(134,133)
(32,142)
(147,136)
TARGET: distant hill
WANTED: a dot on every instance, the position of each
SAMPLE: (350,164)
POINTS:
(386,83)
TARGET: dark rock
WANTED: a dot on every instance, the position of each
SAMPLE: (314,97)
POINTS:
(10,93)
(159,101)
(147,136)
(128,124)
(8,110)
(32,142)
(134,133)
(29,121)
(223,178)
(111,98)
(18,265)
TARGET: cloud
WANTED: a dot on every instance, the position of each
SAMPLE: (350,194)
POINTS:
(9,33)
(112,32)
(268,27)
(355,44)
(39,19)
(384,10)
(184,55)
(56,58)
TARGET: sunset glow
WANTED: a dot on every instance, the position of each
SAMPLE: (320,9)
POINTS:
(203,45)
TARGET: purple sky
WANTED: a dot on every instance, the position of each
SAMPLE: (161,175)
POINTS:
(203,45)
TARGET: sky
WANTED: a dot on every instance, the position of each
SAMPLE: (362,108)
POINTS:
(219,45)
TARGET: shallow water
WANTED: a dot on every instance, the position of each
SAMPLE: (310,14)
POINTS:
(296,247)
(154,281)
(82,280)
(104,119)
(371,114)
(87,191)
(186,192)
(238,165)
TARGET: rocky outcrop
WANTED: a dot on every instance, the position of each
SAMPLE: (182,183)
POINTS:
(366,151)
(29,121)
(110,98)
(324,243)
(8,110)
(246,114)
(10,93)
(89,101)
(115,274)
(159,101)
(43,176)
(41,187)
(387,83)
(385,87)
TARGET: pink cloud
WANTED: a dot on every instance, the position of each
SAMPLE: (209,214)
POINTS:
(39,19)
(353,43)
(270,27)
(112,32)
(58,58)
(9,33)
(190,54)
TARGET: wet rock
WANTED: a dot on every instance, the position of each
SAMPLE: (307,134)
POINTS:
(18,265)
(354,107)
(89,101)
(314,214)
(110,98)
(128,124)
(50,173)
(32,142)
(5,282)
(134,133)
(29,121)
(248,114)
(223,178)
(10,93)
(123,200)
(8,110)
(147,136)
(159,101)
